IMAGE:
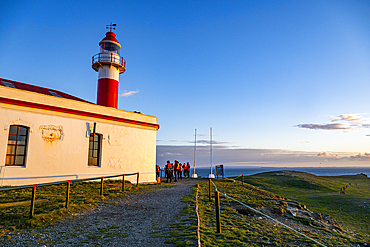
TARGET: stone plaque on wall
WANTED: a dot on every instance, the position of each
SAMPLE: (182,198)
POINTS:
(51,133)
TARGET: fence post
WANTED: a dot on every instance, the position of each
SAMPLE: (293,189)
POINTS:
(218,218)
(33,200)
(243,179)
(209,190)
(137,182)
(101,186)
(123,183)
(67,193)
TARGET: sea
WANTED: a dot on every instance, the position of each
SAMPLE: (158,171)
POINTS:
(233,171)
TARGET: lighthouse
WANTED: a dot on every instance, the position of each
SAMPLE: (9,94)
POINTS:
(109,66)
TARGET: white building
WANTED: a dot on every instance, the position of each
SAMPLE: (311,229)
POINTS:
(49,135)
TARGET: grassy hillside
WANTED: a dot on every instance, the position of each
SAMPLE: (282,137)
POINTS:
(244,227)
(351,210)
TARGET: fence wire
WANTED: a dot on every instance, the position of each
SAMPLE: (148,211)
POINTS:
(267,216)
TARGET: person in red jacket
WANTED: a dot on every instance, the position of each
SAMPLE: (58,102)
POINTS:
(188,169)
(157,170)
(179,171)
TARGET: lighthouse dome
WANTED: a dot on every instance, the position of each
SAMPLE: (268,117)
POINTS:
(109,43)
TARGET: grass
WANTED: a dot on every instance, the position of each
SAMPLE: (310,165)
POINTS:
(83,196)
(243,230)
(261,191)
(351,210)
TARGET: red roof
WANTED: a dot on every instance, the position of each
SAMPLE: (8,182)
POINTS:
(110,36)
(37,89)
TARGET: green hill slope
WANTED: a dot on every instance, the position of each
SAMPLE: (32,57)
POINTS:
(321,194)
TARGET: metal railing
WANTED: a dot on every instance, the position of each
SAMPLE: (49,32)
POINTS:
(68,182)
(108,58)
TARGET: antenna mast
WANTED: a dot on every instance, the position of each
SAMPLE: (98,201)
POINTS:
(195,151)
(211,175)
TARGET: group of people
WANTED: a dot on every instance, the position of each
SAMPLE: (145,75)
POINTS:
(343,190)
(175,171)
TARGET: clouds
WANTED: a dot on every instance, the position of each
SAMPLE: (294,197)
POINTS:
(345,117)
(338,126)
(326,155)
(345,122)
(214,142)
(361,156)
(306,142)
(170,154)
(206,142)
(323,154)
(258,157)
(126,93)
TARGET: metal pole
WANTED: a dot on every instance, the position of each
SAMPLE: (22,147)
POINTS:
(218,218)
(137,182)
(33,200)
(195,148)
(211,148)
(209,190)
(123,183)
(67,192)
(101,186)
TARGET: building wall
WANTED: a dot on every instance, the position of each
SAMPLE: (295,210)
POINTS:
(58,141)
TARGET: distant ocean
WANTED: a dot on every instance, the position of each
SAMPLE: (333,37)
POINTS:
(319,171)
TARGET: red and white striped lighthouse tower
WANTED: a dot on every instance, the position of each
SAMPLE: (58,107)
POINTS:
(109,65)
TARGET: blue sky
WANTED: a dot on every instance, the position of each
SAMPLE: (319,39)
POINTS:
(287,80)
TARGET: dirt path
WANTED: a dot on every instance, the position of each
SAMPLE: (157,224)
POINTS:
(124,222)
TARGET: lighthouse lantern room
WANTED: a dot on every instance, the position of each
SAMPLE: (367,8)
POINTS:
(109,65)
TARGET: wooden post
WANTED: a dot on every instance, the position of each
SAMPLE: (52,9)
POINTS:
(123,183)
(209,190)
(67,192)
(137,182)
(101,186)
(243,179)
(218,218)
(33,200)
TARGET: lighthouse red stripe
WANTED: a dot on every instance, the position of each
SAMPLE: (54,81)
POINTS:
(107,92)
(75,112)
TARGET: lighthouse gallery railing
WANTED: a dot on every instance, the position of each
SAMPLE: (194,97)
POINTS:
(108,57)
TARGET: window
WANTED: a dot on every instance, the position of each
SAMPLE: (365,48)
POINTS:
(94,150)
(109,47)
(17,146)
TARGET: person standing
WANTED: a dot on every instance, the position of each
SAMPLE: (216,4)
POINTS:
(175,169)
(188,169)
(157,170)
(180,171)
(169,171)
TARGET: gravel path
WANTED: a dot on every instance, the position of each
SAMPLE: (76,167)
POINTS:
(124,222)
